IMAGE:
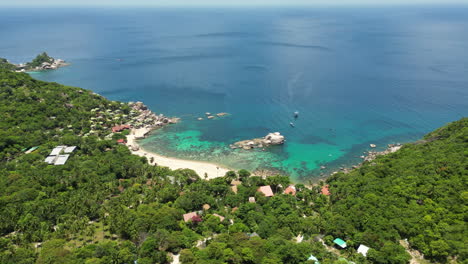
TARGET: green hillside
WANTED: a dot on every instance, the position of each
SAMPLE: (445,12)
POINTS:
(108,206)
(419,193)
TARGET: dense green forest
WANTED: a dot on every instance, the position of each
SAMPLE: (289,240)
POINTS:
(108,206)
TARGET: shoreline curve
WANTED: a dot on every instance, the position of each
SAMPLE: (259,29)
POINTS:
(202,168)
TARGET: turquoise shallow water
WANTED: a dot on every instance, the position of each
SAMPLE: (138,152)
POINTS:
(356,75)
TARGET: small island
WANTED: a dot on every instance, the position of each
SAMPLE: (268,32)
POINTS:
(42,62)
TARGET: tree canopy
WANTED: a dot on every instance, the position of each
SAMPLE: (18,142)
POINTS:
(108,206)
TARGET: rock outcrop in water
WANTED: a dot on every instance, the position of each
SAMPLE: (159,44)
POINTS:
(270,139)
(274,139)
(143,117)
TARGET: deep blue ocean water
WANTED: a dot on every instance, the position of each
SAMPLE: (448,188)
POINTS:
(356,75)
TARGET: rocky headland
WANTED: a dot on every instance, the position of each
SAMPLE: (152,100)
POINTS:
(42,62)
(134,116)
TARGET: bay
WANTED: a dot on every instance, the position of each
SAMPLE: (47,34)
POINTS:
(356,75)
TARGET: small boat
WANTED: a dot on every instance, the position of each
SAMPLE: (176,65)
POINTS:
(296,114)
(292,124)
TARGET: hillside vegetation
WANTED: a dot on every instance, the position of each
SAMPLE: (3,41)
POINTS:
(108,206)
(418,193)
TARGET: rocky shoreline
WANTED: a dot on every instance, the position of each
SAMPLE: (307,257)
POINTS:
(143,117)
(134,116)
(370,156)
(145,122)
(55,64)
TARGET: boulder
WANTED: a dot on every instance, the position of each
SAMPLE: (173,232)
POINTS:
(275,138)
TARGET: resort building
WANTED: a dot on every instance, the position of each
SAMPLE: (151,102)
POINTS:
(340,242)
(290,190)
(363,250)
(266,190)
(31,150)
(120,128)
(188,216)
(326,190)
(69,150)
(59,155)
(61,159)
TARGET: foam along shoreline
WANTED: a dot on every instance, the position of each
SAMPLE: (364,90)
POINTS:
(200,167)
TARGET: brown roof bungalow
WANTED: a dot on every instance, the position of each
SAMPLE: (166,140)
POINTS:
(266,190)
(189,216)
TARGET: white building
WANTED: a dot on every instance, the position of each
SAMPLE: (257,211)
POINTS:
(363,250)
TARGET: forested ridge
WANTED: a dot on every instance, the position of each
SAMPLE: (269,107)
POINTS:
(108,206)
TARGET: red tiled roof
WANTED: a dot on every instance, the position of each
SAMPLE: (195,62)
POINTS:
(290,190)
(325,190)
(120,128)
(121,141)
(266,190)
(189,216)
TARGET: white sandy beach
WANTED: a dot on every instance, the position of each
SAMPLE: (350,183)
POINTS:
(212,170)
